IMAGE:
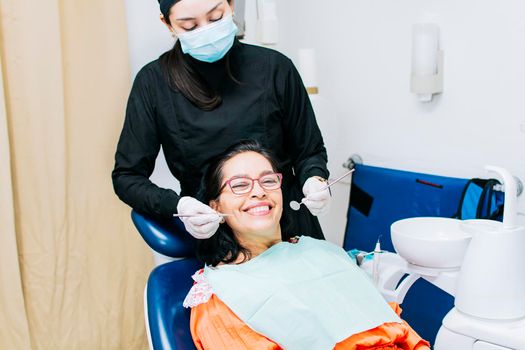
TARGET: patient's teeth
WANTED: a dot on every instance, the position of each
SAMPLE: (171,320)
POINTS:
(259,209)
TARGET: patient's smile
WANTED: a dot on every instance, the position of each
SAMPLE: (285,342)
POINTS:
(259,209)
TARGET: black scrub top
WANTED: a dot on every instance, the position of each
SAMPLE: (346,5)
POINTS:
(270,105)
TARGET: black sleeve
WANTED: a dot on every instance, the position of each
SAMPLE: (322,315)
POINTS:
(303,139)
(137,150)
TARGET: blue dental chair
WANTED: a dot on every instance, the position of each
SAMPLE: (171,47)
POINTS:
(167,321)
(375,199)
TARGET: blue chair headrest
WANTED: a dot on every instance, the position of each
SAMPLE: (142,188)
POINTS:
(165,236)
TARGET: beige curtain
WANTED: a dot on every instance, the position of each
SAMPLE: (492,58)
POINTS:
(72,267)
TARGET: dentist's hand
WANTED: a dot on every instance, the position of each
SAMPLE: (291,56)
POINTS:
(317,196)
(200,226)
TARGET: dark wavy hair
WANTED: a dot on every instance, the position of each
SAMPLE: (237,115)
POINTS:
(223,246)
(182,76)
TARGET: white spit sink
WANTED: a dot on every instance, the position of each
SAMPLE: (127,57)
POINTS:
(430,241)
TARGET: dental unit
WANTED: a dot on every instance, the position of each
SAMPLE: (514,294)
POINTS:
(479,262)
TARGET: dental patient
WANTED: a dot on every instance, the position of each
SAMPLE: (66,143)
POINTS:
(259,292)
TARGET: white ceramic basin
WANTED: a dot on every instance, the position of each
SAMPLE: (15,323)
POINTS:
(430,241)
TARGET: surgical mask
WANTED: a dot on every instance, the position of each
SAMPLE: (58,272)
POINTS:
(211,42)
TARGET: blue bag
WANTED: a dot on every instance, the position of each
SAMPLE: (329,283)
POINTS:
(480,200)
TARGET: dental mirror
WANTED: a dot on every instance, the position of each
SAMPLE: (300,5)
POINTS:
(296,205)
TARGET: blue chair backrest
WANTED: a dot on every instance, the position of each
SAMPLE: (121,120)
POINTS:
(169,283)
(381,196)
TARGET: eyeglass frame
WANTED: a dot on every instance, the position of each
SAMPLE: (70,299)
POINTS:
(228,183)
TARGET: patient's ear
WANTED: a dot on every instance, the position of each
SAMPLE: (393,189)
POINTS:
(215,205)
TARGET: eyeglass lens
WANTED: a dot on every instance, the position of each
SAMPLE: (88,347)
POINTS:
(244,185)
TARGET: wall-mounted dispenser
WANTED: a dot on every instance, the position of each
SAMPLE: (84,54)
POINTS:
(308,70)
(427,61)
(239,17)
(267,24)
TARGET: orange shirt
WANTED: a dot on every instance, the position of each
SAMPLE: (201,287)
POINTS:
(214,326)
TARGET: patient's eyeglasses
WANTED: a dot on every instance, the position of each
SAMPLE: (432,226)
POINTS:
(243,185)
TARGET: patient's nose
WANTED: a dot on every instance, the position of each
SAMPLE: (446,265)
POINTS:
(257,190)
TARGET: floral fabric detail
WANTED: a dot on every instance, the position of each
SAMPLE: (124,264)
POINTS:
(294,239)
(200,292)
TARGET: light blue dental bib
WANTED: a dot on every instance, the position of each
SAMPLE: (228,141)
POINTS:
(307,295)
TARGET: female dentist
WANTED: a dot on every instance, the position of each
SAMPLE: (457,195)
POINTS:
(207,93)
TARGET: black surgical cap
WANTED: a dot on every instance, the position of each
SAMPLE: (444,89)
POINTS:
(165,6)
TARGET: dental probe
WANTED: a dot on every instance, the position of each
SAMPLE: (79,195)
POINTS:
(296,205)
(199,214)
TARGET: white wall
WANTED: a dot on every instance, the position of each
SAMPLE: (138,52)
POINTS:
(363,52)
(148,38)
